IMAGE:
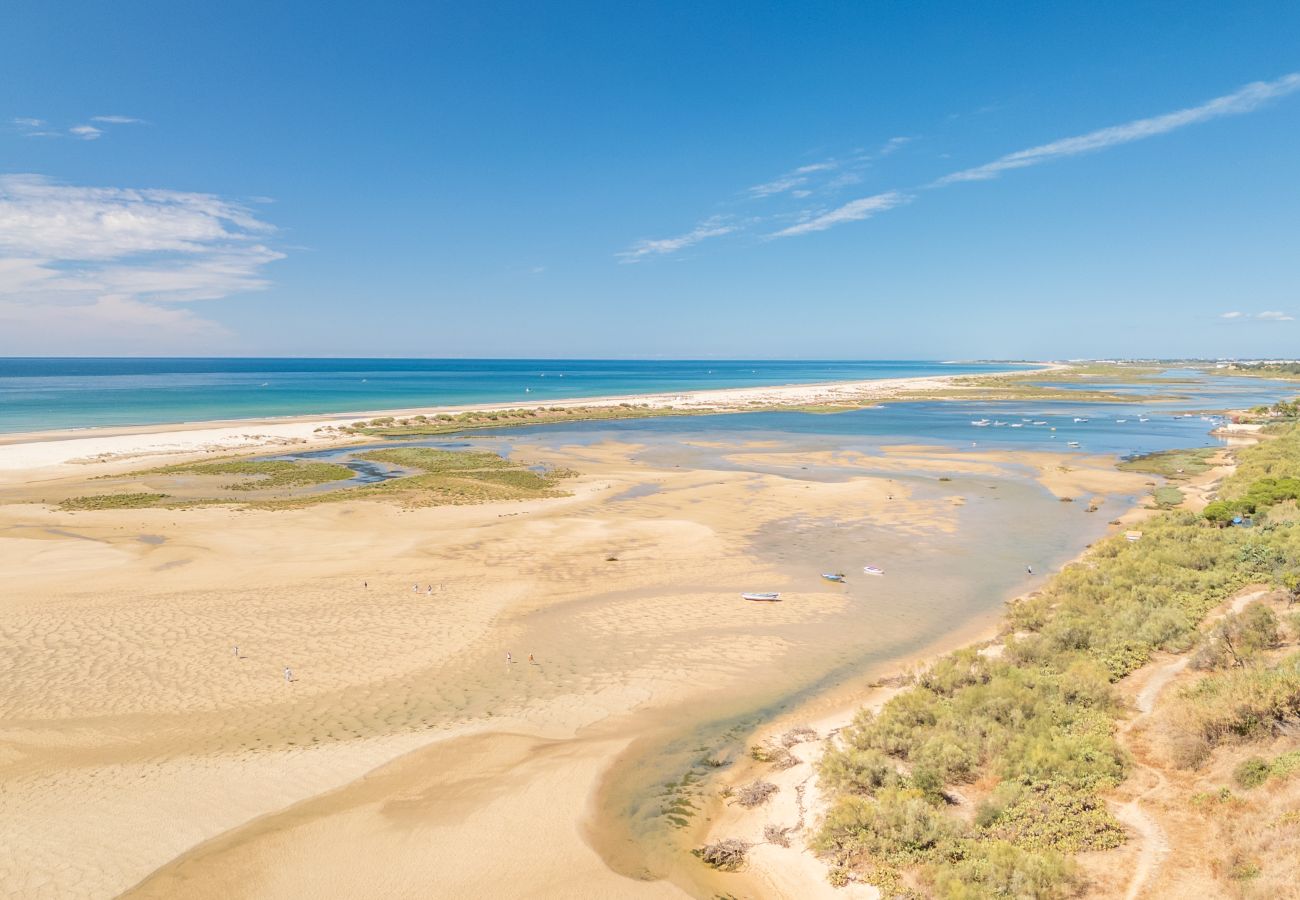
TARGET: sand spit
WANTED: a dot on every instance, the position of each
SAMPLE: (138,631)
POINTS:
(37,456)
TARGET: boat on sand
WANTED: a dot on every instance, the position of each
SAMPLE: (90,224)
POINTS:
(873,570)
(765,596)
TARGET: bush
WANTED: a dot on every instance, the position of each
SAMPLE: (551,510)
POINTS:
(1251,772)
(1238,638)
(1000,869)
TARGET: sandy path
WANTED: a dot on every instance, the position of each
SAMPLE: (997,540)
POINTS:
(1153,841)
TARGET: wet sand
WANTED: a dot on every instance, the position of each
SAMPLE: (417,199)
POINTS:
(408,758)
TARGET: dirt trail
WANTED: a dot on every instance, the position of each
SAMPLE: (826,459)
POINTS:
(1154,844)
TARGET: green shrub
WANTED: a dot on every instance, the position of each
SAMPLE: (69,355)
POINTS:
(1251,772)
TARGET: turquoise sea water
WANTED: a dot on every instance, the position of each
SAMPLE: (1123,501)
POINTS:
(46,393)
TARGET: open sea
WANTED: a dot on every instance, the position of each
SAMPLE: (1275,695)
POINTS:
(37,394)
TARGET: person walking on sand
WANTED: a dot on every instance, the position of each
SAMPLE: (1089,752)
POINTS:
(531,661)
(236,651)
(288,674)
(430,590)
(509,658)
(416,588)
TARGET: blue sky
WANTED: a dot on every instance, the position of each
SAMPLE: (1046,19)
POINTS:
(874,180)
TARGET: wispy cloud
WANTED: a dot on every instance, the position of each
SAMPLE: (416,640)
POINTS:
(122,259)
(831,176)
(853,211)
(84,131)
(1268,315)
(709,228)
(791,180)
(893,145)
(1245,100)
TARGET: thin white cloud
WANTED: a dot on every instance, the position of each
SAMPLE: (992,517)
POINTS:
(791,180)
(1268,315)
(85,131)
(1244,100)
(893,145)
(853,211)
(709,228)
(120,258)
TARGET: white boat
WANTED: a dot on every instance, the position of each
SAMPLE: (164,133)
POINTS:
(1017,424)
(1143,419)
(999,424)
(873,570)
(979,423)
(768,597)
(1080,419)
(1120,421)
(1072,443)
(1040,423)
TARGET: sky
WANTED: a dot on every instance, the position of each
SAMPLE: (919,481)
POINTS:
(675,180)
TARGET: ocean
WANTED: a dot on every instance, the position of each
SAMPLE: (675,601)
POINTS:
(37,394)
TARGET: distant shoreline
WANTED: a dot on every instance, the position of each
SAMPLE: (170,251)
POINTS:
(42,450)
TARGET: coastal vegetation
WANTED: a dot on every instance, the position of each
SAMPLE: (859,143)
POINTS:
(432,477)
(446,423)
(138,500)
(1285,370)
(1172,464)
(262,474)
(986,776)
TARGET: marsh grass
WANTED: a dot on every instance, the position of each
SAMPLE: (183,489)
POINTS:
(446,423)
(442,478)
(113,501)
(1172,464)
(265,474)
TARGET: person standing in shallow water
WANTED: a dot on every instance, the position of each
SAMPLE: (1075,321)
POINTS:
(288,674)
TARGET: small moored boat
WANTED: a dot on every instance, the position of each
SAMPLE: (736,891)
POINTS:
(833,576)
(873,570)
(767,596)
